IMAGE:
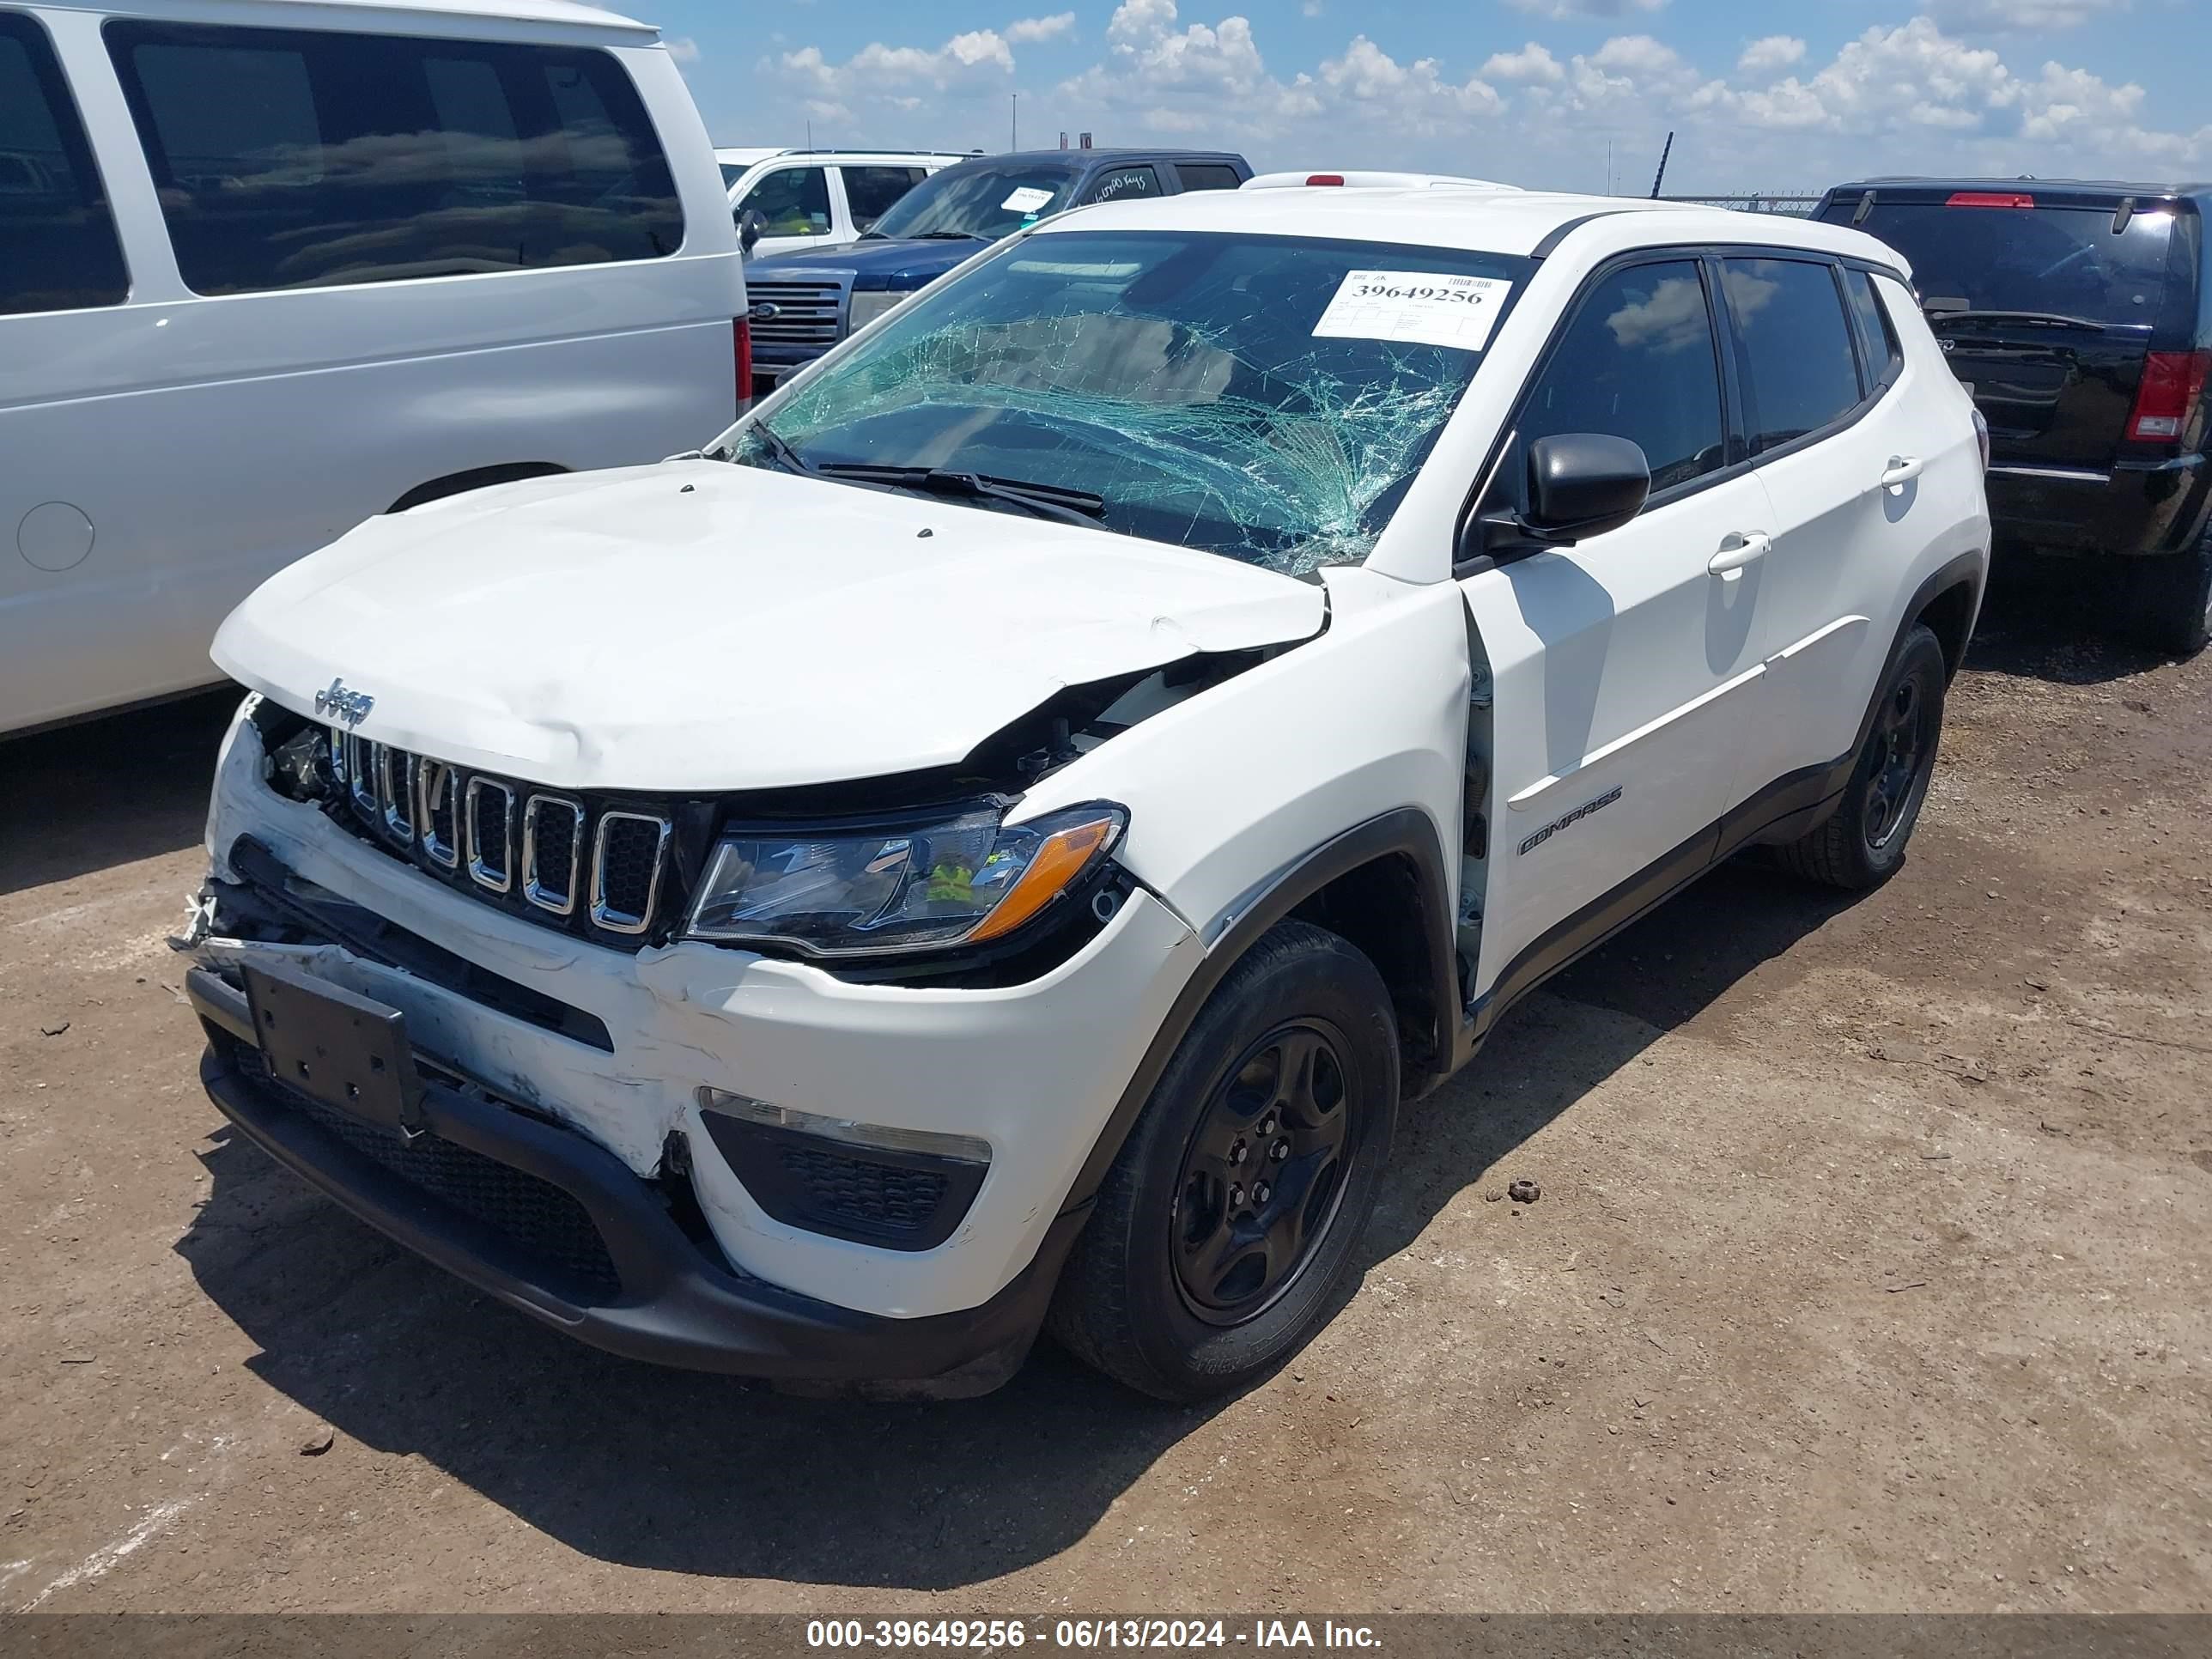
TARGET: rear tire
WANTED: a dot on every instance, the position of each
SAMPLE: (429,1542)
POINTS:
(1227,1226)
(1862,845)
(2172,599)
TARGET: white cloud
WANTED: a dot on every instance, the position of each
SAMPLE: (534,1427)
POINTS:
(1907,98)
(1561,10)
(683,49)
(2018,17)
(1030,30)
(1531,63)
(979,54)
(1773,52)
(1311,8)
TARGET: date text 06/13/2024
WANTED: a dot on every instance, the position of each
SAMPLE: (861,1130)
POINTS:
(986,1635)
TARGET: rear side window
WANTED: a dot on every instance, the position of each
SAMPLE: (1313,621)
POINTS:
(869,192)
(1125,184)
(57,246)
(1798,365)
(1638,362)
(791,202)
(1206,175)
(286,159)
(1877,335)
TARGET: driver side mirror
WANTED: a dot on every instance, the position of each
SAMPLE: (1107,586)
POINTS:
(750,226)
(1581,484)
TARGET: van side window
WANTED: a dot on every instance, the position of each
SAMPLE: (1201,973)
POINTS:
(1638,362)
(59,250)
(296,159)
(794,201)
(1884,355)
(870,190)
(1799,370)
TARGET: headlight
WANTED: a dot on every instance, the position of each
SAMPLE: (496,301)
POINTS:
(960,880)
(867,305)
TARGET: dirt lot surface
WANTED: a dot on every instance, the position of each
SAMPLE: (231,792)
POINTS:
(1870,1271)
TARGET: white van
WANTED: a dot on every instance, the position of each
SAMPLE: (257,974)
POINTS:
(267,270)
(820,197)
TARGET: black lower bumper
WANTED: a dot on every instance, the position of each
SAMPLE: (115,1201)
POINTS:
(2149,510)
(665,1299)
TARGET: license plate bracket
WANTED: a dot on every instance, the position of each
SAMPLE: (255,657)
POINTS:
(345,1050)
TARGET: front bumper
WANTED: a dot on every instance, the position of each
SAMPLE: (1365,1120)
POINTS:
(663,1298)
(1034,1070)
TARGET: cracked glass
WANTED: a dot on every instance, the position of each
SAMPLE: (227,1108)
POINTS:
(1177,377)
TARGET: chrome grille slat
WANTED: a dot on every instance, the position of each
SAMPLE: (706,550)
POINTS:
(615,918)
(498,876)
(806,313)
(435,787)
(541,836)
(395,792)
(451,822)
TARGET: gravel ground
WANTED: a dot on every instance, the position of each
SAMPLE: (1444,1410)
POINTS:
(1870,1273)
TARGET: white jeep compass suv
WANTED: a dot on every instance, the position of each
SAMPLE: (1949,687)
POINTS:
(988,845)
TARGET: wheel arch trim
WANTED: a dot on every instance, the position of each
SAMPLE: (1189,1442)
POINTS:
(1406,832)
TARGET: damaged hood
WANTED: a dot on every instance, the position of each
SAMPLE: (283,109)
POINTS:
(697,626)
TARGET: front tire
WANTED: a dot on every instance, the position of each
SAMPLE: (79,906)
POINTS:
(1227,1225)
(1863,844)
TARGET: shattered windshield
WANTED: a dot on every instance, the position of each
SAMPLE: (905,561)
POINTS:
(1268,399)
(983,201)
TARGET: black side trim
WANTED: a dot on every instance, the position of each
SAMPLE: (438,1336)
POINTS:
(1590,927)
(1968,570)
(677,1306)
(1559,233)
(1786,808)
(1406,832)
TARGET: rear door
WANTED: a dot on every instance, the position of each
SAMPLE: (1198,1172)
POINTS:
(2046,309)
(1625,668)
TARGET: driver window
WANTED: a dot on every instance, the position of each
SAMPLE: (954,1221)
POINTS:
(794,201)
(1638,362)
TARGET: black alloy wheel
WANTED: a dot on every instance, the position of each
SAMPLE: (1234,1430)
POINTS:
(1263,1177)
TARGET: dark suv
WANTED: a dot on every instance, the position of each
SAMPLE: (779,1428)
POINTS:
(804,302)
(2080,316)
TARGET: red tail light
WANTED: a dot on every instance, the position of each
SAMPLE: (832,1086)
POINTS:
(1997,198)
(2172,381)
(1324,178)
(741,340)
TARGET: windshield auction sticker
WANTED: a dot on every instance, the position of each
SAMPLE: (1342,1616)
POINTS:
(1027,200)
(1421,307)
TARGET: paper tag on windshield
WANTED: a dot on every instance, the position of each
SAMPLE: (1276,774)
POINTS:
(1420,307)
(1027,200)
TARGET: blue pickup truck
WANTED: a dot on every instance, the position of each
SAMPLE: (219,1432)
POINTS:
(804,302)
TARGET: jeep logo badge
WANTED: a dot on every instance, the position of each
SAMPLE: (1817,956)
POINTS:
(351,707)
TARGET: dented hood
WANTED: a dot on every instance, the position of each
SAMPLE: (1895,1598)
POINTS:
(699,626)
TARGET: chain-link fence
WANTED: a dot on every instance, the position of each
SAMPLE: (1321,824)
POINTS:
(1756,202)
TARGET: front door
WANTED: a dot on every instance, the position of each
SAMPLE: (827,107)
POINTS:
(1625,669)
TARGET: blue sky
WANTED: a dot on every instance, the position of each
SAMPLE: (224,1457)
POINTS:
(1786,97)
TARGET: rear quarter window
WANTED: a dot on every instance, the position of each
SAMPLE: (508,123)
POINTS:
(297,159)
(59,249)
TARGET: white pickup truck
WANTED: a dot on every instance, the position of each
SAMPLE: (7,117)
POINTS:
(988,845)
